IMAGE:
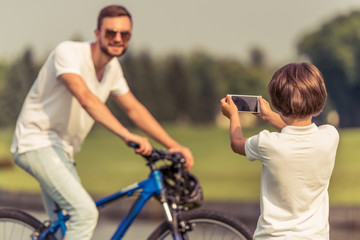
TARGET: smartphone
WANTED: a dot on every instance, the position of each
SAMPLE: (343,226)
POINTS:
(246,103)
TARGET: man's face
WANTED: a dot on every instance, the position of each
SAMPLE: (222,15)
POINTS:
(114,35)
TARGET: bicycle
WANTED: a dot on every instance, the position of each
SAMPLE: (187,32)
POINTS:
(177,190)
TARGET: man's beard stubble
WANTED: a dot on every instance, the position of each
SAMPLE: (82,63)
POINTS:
(104,49)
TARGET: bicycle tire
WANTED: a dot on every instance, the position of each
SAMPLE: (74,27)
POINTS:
(18,225)
(206,224)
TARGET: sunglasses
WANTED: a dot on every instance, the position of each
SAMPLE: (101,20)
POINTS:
(111,34)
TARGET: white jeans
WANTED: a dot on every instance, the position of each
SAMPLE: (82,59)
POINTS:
(60,183)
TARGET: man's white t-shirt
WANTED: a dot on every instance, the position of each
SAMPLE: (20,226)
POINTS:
(51,115)
(296,168)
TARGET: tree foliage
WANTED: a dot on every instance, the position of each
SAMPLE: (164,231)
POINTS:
(173,88)
(335,50)
(188,89)
(17,83)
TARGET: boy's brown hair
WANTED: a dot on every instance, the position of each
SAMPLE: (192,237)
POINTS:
(298,90)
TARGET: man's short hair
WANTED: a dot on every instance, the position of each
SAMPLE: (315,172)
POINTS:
(298,90)
(112,11)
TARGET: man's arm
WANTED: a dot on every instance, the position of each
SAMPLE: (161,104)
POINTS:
(100,112)
(139,114)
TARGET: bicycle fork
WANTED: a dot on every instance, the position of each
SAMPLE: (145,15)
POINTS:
(179,229)
(172,220)
(171,216)
(169,213)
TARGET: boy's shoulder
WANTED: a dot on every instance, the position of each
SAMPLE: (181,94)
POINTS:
(289,131)
(328,127)
(263,136)
(330,130)
(267,143)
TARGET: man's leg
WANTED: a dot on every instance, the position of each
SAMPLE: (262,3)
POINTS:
(50,207)
(58,178)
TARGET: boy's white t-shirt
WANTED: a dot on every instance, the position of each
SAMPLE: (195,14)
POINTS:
(296,168)
(51,115)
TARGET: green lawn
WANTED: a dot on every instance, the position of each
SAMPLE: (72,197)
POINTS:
(105,165)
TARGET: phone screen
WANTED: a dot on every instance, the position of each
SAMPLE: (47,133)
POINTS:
(246,103)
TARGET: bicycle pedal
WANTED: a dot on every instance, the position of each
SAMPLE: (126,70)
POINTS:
(35,235)
(47,223)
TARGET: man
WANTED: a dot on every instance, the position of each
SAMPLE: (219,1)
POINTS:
(66,99)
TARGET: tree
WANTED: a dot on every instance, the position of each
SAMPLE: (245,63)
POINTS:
(148,84)
(18,81)
(3,72)
(335,50)
(177,88)
(240,79)
(257,57)
(204,95)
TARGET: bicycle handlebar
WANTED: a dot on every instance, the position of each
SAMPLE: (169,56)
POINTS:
(157,155)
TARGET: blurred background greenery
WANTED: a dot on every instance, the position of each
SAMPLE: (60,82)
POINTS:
(183,93)
(105,165)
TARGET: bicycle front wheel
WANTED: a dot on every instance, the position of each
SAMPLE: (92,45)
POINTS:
(205,224)
(18,225)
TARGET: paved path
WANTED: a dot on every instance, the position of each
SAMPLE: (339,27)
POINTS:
(344,220)
(140,229)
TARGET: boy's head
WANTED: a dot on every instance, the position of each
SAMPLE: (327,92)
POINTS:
(297,90)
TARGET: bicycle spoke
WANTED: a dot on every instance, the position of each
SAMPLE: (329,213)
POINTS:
(15,230)
(206,225)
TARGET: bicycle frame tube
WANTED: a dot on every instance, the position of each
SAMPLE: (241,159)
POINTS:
(53,228)
(150,186)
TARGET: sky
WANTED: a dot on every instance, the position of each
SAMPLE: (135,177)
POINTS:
(226,28)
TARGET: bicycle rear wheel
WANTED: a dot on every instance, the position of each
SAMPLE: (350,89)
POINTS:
(205,224)
(18,225)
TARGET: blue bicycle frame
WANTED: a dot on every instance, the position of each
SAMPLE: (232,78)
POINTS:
(150,186)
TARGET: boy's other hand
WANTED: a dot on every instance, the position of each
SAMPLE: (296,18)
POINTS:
(228,106)
(269,116)
(265,110)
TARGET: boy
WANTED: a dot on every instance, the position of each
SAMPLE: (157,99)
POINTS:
(297,162)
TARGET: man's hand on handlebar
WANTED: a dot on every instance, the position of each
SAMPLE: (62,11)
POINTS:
(143,146)
(186,153)
(183,151)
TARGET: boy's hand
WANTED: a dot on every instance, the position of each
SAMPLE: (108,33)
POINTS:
(228,106)
(265,110)
(269,116)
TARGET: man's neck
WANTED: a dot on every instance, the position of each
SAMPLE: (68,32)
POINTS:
(99,59)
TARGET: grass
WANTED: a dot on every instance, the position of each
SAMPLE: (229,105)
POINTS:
(344,187)
(105,164)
